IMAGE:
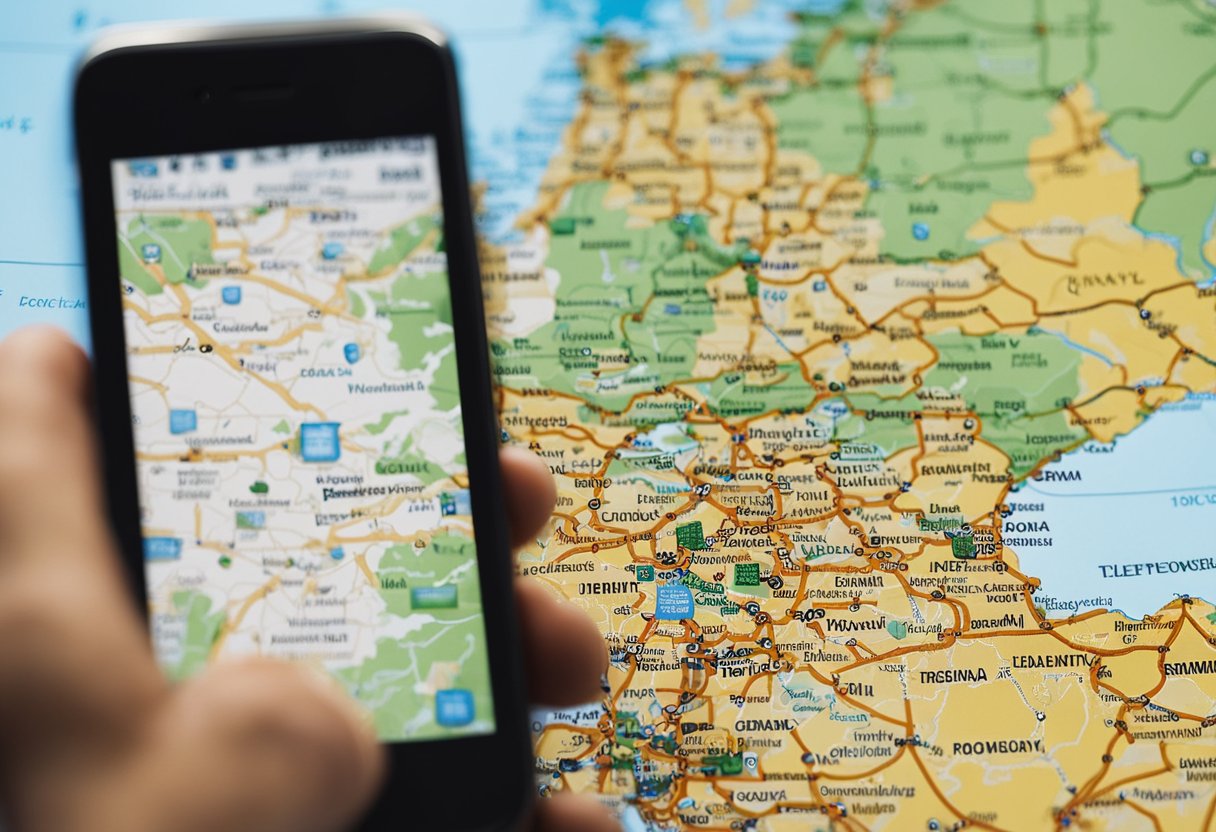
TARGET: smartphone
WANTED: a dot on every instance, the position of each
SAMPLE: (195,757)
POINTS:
(293,384)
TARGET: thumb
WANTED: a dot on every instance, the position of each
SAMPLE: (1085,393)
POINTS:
(261,746)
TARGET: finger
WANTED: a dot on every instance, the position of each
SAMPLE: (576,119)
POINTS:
(49,491)
(260,746)
(565,654)
(528,491)
(81,653)
(567,813)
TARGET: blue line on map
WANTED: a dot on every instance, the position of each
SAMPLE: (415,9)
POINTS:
(39,263)
(1124,493)
(777,338)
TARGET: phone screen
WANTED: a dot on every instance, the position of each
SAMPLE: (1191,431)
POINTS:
(301,464)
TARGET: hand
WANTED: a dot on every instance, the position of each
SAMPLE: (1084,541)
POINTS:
(92,737)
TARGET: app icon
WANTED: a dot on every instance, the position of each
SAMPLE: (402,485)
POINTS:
(352,352)
(150,252)
(454,707)
(231,295)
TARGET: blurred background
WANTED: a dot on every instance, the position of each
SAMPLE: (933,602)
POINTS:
(518,77)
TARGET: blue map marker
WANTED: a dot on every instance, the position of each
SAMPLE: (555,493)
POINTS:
(673,603)
(162,548)
(231,295)
(182,421)
(454,707)
(920,230)
(151,253)
(319,442)
(352,352)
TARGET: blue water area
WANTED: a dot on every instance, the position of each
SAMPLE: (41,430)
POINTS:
(612,10)
(319,442)
(1125,525)
(42,293)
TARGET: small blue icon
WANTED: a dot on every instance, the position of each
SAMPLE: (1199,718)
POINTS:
(144,168)
(1199,157)
(455,502)
(454,707)
(920,231)
(319,442)
(150,252)
(231,295)
(182,421)
(674,602)
(352,352)
(671,309)
(332,251)
(228,161)
(337,553)
(162,548)
(819,286)
(251,519)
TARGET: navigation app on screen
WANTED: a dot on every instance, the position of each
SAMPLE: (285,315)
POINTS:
(301,462)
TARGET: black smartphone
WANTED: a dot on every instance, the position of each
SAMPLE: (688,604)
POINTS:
(293,385)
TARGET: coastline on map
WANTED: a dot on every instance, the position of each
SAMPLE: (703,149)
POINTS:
(1128,524)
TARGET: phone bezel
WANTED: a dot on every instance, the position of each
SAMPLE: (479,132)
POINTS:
(137,96)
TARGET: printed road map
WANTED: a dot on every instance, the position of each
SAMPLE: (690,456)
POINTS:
(873,345)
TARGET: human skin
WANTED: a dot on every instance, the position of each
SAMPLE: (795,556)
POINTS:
(93,737)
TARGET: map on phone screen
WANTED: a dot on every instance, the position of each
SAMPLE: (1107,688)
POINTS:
(873,347)
(299,448)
